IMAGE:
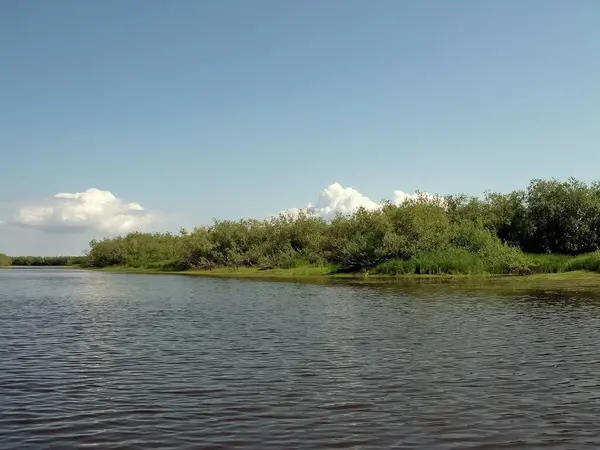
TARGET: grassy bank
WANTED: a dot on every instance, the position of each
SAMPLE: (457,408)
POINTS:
(305,272)
(574,281)
(444,263)
(465,263)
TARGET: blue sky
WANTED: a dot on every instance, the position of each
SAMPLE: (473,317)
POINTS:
(229,109)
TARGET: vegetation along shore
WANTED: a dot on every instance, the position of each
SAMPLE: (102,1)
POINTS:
(552,226)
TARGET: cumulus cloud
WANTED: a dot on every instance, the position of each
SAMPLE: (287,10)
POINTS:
(90,210)
(401,196)
(336,199)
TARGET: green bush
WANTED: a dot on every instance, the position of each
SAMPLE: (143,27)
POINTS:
(451,234)
(5,260)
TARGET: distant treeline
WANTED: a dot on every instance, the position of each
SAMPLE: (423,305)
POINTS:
(449,234)
(47,260)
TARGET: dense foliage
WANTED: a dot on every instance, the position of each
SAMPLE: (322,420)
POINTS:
(451,234)
(47,260)
(4,260)
(548,217)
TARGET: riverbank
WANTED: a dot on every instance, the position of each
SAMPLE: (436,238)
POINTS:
(578,280)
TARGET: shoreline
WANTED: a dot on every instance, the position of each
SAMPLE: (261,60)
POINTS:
(565,281)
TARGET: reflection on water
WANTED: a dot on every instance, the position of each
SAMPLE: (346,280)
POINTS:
(135,361)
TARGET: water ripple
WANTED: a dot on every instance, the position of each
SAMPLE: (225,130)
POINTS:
(99,360)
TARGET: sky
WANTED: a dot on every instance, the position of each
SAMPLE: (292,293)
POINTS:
(147,114)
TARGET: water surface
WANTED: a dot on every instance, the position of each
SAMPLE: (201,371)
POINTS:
(140,361)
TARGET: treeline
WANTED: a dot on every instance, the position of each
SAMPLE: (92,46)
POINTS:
(47,260)
(450,234)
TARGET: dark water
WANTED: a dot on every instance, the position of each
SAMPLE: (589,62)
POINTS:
(132,361)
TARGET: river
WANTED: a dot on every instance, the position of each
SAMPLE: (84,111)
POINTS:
(146,361)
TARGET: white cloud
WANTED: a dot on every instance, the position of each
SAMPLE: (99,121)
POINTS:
(91,210)
(401,196)
(292,213)
(336,199)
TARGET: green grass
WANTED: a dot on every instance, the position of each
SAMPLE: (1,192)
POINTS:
(564,263)
(549,263)
(583,283)
(246,272)
(589,261)
(459,268)
(329,272)
(461,262)
(307,271)
(454,262)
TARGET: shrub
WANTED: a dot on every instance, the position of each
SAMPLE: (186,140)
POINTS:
(5,260)
(453,234)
